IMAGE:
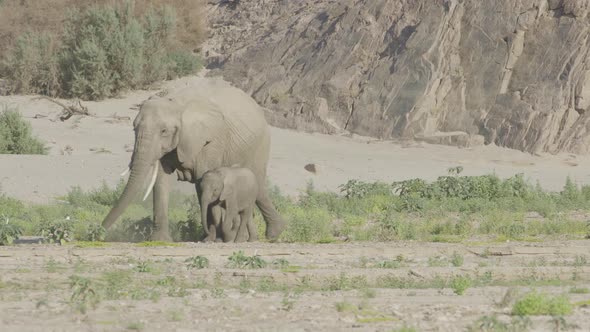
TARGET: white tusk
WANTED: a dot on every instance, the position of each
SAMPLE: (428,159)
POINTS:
(126,171)
(151,186)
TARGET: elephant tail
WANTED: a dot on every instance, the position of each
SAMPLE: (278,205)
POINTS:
(275,224)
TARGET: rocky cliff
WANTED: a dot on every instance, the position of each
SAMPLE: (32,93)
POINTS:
(512,72)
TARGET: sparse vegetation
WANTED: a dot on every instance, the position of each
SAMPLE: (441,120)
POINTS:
(365,215)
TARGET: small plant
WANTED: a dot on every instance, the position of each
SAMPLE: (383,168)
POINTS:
(460,284)
(535,303)
(95,233)
(341,282)
(280,263)
(457,259)
(58,232)
(196,262)
(241,261)
(83,293)
(143,267)
(9,233)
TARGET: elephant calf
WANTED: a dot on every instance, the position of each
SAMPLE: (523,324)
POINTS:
(231,194)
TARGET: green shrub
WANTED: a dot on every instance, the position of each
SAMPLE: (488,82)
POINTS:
(58,232)
(95,232)
(102,51)
(33,64)
(460,284)
(196,262)
(239,260)
(9,232)
(16,135)
(535,303)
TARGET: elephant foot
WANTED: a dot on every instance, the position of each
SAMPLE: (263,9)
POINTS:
(253,237)
(162,236)
(274,229)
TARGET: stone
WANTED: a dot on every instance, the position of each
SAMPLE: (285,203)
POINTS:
(510,73)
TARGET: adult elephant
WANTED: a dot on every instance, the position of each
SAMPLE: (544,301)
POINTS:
(207,125)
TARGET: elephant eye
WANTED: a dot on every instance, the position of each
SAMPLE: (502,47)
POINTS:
(164,131)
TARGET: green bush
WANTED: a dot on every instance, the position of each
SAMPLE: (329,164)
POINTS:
(32,66)
(542,304)
(16,135)
(9,232)
(103,50)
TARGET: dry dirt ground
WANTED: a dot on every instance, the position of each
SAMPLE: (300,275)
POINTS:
(304,287)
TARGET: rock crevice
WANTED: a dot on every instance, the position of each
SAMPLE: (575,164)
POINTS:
(513,73)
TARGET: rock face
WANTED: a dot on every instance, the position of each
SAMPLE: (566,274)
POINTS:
(512,72)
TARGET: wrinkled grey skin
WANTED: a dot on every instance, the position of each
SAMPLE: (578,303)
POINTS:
(207,125)
(234,190)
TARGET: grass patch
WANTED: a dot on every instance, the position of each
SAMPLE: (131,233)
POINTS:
(158,244)
(363,314)
(542,304)
(88,244)
(579,290)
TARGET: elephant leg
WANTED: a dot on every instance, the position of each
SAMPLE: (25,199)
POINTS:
(161,198)
(252,231)
(215,219)
(242,229)
(212,227)
(275,224)
(227,224)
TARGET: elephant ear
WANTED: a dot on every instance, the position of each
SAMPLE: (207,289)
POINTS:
(198,128)
(228,189)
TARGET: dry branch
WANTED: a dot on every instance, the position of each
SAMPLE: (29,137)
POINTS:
(68,111)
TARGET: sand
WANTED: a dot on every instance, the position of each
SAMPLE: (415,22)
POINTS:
(323,290)
(85,151)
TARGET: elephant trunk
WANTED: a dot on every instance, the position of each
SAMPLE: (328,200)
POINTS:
(141,165)
(205,200)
